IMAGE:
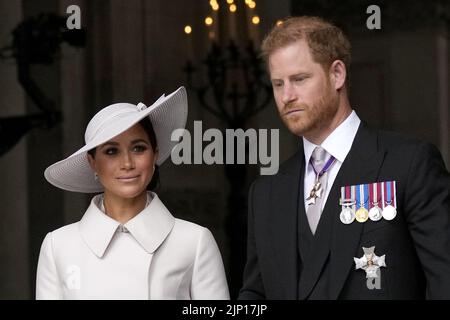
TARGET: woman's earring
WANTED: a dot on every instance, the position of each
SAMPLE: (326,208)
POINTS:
(95,176)
(154,168)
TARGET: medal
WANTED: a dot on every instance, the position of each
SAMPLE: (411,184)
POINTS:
(370,262)
(375,213)
(317,190)
(361,214)
(389,210)
(347,215)
(347,202)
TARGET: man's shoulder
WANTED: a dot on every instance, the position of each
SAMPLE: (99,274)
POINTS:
(405,147)
(393,139)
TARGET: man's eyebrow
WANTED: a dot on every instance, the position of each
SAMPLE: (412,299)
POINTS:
(297,74)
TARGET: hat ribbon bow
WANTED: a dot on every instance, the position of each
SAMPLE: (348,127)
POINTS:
(140,106)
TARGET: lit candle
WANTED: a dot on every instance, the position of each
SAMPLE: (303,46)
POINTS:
(253,21)
(210,22)
(213,32)
(232,22)
(188,32)
(254,30)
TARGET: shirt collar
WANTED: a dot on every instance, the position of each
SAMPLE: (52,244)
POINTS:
(149,228)
(339,142)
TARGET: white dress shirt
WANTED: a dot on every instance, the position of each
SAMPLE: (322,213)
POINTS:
(152,256)
(337,144)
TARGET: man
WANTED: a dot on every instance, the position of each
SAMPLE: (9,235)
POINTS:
(356,213)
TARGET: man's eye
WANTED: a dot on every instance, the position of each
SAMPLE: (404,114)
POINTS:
(299,79)
(277,84)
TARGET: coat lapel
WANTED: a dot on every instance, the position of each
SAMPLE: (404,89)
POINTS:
(362,165)
(283,219)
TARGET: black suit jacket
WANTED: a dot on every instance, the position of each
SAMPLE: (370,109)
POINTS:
(416,243)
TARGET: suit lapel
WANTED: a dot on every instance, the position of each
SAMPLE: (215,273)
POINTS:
(283,219)
(361,165)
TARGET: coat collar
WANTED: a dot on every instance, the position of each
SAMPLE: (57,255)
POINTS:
(150,227)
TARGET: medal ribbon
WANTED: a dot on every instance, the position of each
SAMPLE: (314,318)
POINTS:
(366,196)
(375,195)
(348,192)
(379,195)
(346,196)
(388,193)
(361,199)
(372,194)
(394,191)
(358,197)
(325,168)
(353,195)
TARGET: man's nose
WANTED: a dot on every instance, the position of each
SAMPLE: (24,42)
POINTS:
(289,94)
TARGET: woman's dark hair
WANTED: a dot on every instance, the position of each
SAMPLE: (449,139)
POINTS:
(146,124)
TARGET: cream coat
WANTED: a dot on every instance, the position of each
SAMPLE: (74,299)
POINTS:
(152,256)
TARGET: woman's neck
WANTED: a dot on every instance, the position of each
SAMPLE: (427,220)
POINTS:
(124,209)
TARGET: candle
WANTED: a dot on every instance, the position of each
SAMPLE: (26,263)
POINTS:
(254,30)
(232,28)
(188,32)
(253,21)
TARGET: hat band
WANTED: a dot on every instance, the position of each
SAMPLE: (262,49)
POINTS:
(105,122)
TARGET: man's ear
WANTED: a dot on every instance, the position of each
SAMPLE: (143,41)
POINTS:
(338,74)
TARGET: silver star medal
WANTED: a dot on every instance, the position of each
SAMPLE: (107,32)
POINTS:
(370,262)
(316,192)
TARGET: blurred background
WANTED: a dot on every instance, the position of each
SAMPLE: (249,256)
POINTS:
(53,80)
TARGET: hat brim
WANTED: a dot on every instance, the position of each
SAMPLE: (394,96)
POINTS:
(166,115)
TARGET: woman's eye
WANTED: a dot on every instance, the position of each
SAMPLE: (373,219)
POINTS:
(110,151)
(139,148)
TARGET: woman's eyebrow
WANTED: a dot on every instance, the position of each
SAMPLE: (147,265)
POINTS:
(111,143)
(139,140)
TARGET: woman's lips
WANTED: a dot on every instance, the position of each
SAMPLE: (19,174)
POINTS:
(127,179)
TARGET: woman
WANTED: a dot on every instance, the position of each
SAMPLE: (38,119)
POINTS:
(127,245)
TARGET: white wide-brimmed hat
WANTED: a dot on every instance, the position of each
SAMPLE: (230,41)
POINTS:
(166,114)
